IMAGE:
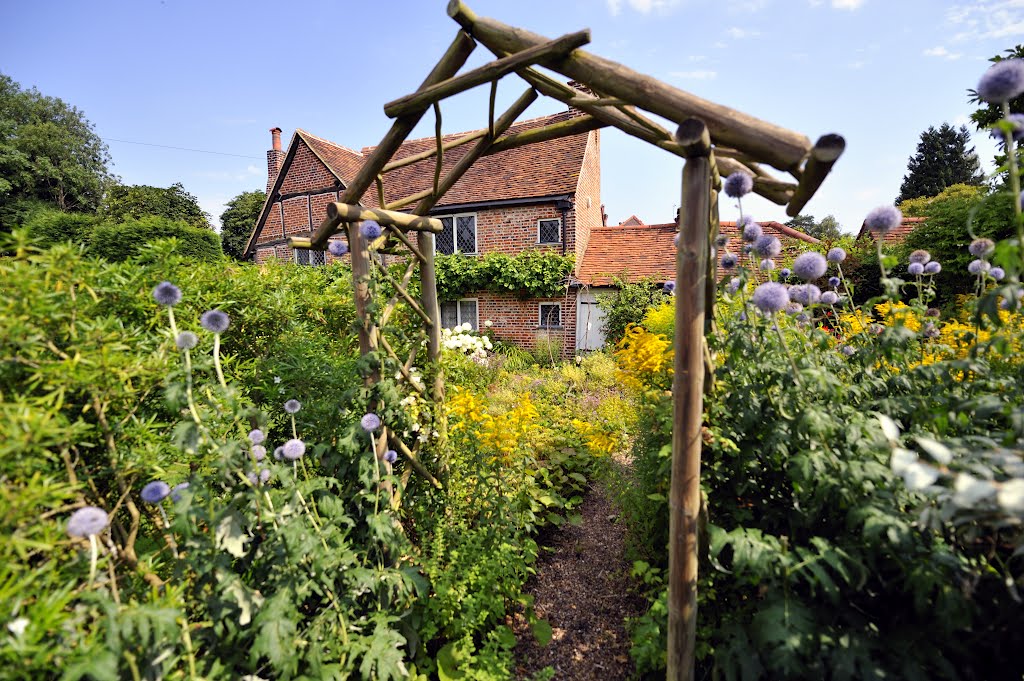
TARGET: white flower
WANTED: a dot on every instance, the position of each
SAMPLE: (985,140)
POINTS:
(18,626)
(917,476)
(488,323)
(277,379)
(415,427)
(1011,495)
(969,490)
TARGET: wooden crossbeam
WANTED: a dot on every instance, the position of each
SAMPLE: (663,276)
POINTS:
(401,365)
(347,212)
(390,307)
(466,162)
(429,153)
(456,55)
(543,52)
(400,290)
(573,126)
(412,198)
(763,141)
(823,156)
(398,234)
(776,191)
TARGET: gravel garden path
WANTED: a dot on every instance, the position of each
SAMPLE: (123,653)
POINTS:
(583,589)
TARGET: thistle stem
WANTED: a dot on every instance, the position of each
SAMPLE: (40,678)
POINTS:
(1011,153)
(188,387)
(789,356)
(94,554)
(216,361)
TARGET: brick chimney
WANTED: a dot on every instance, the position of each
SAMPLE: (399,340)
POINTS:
(275,158)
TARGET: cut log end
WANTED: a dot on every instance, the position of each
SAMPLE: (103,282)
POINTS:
(694,138)
(829,147)
(458,11)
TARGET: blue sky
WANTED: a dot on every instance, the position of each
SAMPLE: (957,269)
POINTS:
(215,76)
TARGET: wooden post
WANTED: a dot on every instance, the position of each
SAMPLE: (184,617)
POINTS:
(360,252)
(688,399)
(823,156)
(428,301)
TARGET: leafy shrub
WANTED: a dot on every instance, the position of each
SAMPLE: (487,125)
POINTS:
(51,226)
(628,305)
(123,241)
(536,274)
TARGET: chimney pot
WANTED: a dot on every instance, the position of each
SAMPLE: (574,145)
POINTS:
(276,137)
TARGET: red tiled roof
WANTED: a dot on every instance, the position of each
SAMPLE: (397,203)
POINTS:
(896,236)
(631,221)
(649,252)
(543,169)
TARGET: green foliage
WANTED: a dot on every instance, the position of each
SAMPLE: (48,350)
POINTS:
(129,203)
(989,114)
(51,226)
(827,228)
(628,305)
(943,158)
(531,274)
(129,239)
(49,152)
(238,220)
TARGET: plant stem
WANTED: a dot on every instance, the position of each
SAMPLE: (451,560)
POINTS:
(94,554)
(1011,153)
(785,348)
(216,361)
(188,387)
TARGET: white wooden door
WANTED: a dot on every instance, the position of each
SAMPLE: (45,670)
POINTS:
(589,322)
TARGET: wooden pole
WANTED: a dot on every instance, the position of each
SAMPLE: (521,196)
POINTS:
(421,99)
(688,399)
(573,126)
(428,301)
(429,153)
(360,252)
(456,55)
(776,191)
(778,146)
(346,212)
(824,155)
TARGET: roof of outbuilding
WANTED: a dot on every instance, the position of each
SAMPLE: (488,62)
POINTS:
(896,236)
(648,251)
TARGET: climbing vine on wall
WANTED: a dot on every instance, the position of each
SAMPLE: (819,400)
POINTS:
(530,274)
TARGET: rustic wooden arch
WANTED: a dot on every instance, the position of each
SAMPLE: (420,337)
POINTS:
(713,139)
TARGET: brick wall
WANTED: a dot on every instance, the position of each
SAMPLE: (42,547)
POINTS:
(512,229)
(588,196)
(518,321)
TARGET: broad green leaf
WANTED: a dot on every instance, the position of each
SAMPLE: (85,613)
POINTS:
(542,632)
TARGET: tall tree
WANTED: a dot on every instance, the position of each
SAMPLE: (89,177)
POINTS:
(827,228)
(238,221)
(801,222)
(943,158)
(134,202)
(49,151)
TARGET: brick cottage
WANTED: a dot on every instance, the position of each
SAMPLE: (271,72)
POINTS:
(544,196)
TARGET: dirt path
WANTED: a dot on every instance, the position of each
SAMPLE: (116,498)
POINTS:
(582,589)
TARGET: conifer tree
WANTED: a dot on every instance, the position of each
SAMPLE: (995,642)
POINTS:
(944,157)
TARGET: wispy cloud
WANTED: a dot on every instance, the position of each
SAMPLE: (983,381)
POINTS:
(987,19)
(942,52)
(642,6)
(694,75)
(847,4)
(747,6)
(857,65)
(737,33)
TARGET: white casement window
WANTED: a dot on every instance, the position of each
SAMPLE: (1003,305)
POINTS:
(550,315)
(458,235)
(457,312)
(549,231)
(305,256)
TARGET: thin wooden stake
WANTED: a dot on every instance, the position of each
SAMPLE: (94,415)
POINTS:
(688,400)
(429,153)
(414,461)
(390,307)
(347,212)
(440,145)
(823,156)
(400,235)
(402,292)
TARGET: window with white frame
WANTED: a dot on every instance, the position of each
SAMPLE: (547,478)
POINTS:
(305,256)
(550,315)
(457,312)
(549,231)
(458,235)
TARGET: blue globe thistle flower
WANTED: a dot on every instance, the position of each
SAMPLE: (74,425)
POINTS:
(186,340)
(803,318)
(721,241)
(920,255)
(981,248)
(87,521)
(793,307)
(256,436)
(177,490)
(748,249)
(259,452)
(670,286)
(391,456)
(215,321)
(167,294)
(279,453)
(915,269)
(835,255)
(770,297)
(155,492)
(293,449)
(337,248)
(370,229)
(785,272)
(810,266)
(1002,82)
(768,246)
(930,330)
(738,184)
(370,422)
(265,475)
(729,261)
(834,282)
(253,478)
(752,231)
(805,294)
(767,264)
(932,312)
(997,273)
(292,406)
(734,285)
(829,297)
(883,219)
(933,267)
(1017,131)
(847,350)
(978,266)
